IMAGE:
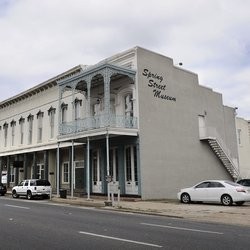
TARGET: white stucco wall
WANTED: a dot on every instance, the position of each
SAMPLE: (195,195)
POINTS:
(171,154)
(41,101)
(243,133)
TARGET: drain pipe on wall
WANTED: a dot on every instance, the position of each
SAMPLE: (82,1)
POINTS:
(88,172)
(57,170)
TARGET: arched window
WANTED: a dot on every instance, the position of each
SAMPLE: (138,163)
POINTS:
(128,102)
(21,123)
(30,128)
(51,113)
(77,105)
(5,128)
(13,125)
(39,126)
(64,108)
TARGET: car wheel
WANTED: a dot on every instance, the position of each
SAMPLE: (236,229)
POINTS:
(185,198)
(239,203)
(14,194)
(29,195)
(226,200)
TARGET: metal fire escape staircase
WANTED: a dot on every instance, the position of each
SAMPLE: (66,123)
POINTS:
(219,148)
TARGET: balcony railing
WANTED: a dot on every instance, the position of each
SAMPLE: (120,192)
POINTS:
(95,122)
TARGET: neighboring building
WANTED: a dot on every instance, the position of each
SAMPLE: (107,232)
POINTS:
(243,136)
(134,116)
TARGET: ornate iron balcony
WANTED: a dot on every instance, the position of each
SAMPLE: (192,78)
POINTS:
(95,122)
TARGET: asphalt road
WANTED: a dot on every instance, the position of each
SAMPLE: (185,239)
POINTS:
(41,224)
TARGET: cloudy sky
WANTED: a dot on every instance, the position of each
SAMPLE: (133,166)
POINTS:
(42,38)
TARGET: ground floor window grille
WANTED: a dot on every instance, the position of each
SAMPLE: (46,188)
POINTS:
(65,172)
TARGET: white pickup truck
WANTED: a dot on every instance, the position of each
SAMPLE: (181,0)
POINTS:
(32,188)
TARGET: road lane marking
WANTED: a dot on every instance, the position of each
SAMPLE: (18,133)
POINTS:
(120,239)
(182,228)
(7,205)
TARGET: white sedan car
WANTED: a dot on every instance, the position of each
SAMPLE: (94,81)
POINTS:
(217,191)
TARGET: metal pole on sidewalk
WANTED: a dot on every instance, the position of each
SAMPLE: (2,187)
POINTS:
(72,170)
(108,171)
(57,170)
(88,175)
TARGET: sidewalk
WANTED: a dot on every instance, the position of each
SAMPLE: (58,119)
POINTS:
(236,215)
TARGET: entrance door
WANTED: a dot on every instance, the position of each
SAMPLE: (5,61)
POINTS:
(79,177)
(202,126)
(113,166)
(131,176)
(40,171)
(96,172)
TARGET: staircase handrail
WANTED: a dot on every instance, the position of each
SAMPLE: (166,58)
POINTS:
(211,133)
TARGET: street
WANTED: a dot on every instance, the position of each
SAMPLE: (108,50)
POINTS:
(42,224)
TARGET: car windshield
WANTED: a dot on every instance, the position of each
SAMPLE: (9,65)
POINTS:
(42,183)
(21,183)
(244,182)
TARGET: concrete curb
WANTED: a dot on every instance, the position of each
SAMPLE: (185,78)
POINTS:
(101,205)
(76,202)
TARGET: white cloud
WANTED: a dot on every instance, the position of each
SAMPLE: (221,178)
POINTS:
(40,39)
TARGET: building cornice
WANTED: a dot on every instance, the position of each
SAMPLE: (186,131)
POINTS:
(40,87)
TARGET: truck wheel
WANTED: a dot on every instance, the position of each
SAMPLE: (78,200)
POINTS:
(29,195)
(14,194)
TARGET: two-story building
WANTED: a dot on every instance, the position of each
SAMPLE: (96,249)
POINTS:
(134,118)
